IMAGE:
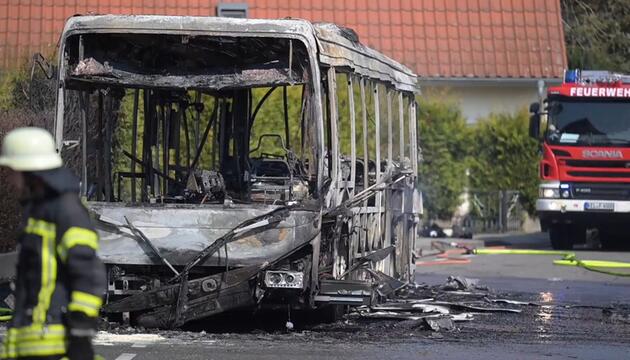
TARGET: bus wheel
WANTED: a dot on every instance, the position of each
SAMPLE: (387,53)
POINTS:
(559,235)
(329,314)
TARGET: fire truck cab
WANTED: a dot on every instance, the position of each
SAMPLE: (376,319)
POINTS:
(584,129)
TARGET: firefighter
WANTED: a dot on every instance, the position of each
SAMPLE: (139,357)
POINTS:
(60,280)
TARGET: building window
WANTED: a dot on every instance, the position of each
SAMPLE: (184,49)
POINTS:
(232,10)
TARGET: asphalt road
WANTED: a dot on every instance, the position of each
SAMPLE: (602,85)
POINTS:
(537,273)
(414,349)
(556,332)
(571,324)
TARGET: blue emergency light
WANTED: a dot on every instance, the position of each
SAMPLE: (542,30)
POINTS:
(576,76)
(572,76)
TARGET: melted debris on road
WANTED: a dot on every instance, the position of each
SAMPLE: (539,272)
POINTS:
(471,313)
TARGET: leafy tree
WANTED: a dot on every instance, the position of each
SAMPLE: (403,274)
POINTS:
(270,119)
(22,103)
(504,157)
(444,143)
(597,34)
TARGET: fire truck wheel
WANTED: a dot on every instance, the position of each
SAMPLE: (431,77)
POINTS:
(610,239)
(577,234)
(560,236)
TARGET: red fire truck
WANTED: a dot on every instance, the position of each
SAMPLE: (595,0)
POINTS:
(584,129)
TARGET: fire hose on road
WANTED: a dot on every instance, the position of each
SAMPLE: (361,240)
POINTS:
(568,259)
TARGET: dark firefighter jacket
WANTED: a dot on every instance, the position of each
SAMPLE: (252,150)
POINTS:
(58,271)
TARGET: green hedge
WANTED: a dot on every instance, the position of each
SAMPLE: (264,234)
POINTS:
(496,150)
(444,140)
(21,104)
(12,85)
(504,157)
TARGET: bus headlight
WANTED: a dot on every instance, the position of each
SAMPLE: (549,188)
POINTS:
(274,279)
(284,279)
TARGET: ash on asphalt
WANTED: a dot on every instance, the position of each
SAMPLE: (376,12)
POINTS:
(543,321)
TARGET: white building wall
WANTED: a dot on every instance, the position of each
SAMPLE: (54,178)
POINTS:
(480,101)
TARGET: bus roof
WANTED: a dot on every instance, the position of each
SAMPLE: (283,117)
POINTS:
(335,45)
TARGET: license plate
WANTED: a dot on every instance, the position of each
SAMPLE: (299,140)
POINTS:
(599,206)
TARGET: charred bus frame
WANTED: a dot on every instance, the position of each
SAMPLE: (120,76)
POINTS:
(162,118)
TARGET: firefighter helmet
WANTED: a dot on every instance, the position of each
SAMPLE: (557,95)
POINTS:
(29,149)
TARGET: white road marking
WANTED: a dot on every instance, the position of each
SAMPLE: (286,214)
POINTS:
(139,345)
(104,337)
(126,356)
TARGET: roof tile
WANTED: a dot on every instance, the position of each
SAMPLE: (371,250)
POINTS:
(395,5)
(436,38)
(351,18)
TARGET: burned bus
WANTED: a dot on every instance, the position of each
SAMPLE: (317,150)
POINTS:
(234,164)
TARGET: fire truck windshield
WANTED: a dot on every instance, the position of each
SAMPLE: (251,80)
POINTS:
(588,122)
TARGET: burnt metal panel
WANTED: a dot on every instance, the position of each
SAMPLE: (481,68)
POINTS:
(340,47)
(346,292)
(401,127)
(181,232)
(336,190)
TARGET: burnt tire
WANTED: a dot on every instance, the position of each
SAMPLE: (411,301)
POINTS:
(560,237)
(330,313)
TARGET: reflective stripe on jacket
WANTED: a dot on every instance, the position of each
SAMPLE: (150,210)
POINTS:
(57,272)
